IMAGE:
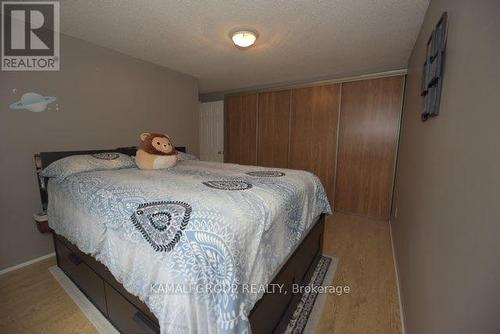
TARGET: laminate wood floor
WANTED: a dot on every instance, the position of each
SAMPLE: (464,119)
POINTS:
(31,300)
(366,265)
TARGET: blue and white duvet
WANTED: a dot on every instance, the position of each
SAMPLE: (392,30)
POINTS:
(188,240)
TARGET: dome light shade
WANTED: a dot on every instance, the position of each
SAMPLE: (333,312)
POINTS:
(244,38)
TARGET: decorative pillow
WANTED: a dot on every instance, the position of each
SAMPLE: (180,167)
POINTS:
(73,164)
(185,156)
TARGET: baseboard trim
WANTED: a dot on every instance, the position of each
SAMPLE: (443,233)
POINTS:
(396,270)
(27,263)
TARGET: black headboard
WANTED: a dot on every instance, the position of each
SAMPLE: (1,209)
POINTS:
(43,159)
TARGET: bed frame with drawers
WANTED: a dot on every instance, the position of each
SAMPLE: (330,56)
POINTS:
(130,315)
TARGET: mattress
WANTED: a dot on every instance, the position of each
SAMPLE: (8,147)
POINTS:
(196,242)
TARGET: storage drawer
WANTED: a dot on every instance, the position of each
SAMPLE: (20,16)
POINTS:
(106,275)
(272,313)
(272,306)
(309,249)
(83,276)
(125,316)
(96,266)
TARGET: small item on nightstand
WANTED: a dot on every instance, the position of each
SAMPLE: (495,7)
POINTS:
(42,222)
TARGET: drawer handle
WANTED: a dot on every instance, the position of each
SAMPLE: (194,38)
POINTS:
(75,259)
(147,325)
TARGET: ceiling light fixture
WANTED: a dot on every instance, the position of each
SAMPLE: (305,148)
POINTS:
(244,38)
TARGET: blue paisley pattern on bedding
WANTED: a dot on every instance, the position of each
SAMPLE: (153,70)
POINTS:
(106,155)
(187,239)
(228,185)
(266,173)
(75,164)
(162,223)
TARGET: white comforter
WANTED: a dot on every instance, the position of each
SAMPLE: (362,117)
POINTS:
(192,241)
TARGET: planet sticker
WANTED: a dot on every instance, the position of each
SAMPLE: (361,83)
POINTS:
(33,102)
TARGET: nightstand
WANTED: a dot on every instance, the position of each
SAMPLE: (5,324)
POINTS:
(42,222)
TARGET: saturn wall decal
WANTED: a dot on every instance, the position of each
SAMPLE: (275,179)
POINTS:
(33,102)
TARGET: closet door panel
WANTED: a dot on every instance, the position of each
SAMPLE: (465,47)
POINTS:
(273,129)
(368,136)
(240,139)
(313,137)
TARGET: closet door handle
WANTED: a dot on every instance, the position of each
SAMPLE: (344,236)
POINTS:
(147,325)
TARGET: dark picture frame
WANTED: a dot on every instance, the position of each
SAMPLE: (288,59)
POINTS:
(433,69)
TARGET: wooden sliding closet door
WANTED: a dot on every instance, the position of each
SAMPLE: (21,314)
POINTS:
(240,139)
(369,129)
(273,129)
(313,137)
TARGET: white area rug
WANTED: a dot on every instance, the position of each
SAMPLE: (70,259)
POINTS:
(99,321)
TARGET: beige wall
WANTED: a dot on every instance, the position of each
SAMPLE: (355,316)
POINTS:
(447,233)
(105,100)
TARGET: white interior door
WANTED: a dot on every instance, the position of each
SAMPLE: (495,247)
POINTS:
(212,131)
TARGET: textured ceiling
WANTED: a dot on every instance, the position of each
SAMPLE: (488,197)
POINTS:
(298,40)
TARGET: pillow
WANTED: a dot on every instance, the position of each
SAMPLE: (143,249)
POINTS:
(184,156)
(73,164)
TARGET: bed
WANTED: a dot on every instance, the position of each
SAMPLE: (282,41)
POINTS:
(188,249)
